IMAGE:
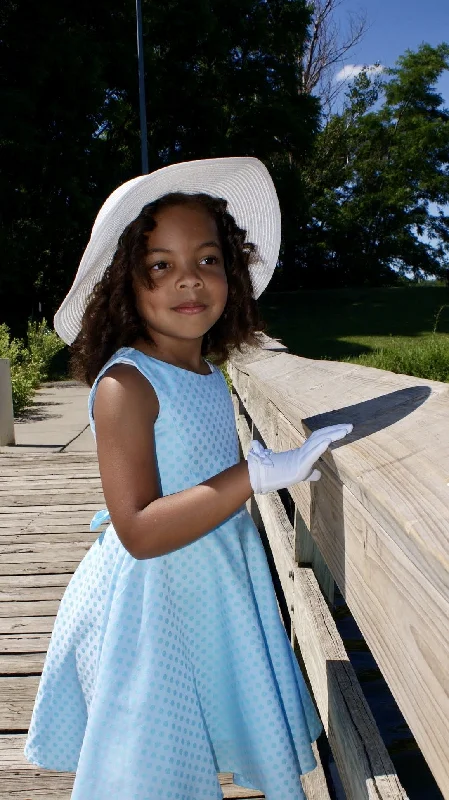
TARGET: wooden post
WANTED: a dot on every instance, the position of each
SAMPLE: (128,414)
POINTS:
(307,553)
(6,408)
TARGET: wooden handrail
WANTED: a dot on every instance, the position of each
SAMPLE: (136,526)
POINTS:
(379,518)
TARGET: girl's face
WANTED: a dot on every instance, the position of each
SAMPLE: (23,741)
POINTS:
(185,261)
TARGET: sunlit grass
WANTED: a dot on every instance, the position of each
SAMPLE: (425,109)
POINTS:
(403,330)
(425,357)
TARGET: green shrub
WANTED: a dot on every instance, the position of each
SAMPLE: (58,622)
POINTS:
(29,362)
(43,344)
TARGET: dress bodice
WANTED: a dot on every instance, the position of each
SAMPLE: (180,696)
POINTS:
(195,432)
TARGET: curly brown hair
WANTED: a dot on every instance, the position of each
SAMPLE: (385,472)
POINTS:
(111,320)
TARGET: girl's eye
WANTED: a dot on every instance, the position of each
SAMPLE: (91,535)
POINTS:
(159,264)
(210,259)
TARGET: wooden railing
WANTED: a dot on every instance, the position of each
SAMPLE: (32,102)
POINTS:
(377,524)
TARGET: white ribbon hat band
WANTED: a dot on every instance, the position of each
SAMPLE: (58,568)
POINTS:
(244,182)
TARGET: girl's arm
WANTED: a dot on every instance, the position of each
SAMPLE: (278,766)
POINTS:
(148,525)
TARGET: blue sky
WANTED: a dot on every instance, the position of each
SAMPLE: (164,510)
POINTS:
(398,25)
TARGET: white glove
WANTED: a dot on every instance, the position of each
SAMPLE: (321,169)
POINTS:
(270,471)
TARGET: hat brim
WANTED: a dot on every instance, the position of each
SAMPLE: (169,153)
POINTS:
(243,182)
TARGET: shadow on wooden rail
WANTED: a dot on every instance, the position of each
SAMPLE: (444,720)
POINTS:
(372,415)
(376,524)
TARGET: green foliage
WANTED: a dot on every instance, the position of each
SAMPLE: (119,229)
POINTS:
(43,344)
(222,79)
(376,168)
(29,362)
(226,376)
(54,172)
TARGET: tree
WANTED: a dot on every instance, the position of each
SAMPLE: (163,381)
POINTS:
(239,63)
(223,77)
(326,47)
(54,168)
(374,173)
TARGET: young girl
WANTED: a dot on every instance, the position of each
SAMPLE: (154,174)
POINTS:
(168,661)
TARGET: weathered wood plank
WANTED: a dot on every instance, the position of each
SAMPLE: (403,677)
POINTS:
(37,785)
(29,568)
(21,663)
(24,643)
(17,696)
(27,613)
(8,582)
(62,478)
(71,494)
(21,594)
(380,515)
(63,526)
(23,781)
(314,783)
(59,551)
(34,522)
(25,478)
(56,508)
(31,499)
(15,625)
(11,457)
(36,608)
(55,473)
(387,470)
(364,765)
(83,538)
(18,776)
(55,470)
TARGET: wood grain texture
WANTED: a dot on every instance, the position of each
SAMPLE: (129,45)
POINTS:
(46,504)
(25,781)
(364,765)
(20,779)
(379,515)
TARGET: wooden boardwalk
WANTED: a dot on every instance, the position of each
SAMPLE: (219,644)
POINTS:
(46,504)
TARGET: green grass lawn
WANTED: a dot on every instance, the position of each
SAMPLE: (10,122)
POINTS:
(385,328)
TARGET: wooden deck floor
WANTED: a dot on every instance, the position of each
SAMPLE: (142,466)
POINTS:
(46,504)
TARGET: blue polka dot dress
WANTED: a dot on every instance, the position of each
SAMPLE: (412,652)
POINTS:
(162,672)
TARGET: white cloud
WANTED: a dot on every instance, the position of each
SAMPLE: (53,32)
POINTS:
(351,70)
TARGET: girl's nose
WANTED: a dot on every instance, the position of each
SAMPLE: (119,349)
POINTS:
(191,281)
(190,277)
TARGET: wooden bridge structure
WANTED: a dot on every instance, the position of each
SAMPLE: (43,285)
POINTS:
(376,525)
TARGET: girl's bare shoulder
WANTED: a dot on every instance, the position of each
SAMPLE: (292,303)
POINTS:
(123,388)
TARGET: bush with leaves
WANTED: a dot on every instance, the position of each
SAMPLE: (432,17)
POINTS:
(29,362)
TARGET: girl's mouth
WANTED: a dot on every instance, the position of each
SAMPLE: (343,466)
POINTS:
(189,309)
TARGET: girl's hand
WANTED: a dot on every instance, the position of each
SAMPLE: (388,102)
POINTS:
(270,471)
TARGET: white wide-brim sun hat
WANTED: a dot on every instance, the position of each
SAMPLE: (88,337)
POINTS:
(244,182)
